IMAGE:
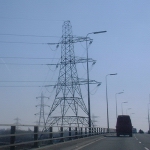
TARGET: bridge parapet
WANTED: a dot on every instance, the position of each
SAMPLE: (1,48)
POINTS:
(31,136)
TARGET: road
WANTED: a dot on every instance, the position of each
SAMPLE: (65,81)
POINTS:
(110,142)
(137,142)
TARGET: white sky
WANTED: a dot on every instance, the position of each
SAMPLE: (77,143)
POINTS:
(124,49)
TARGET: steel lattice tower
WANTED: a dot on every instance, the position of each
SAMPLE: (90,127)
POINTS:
(41,113)
(68,99)
(17,123)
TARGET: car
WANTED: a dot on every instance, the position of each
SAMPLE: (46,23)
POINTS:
(124,125)
(141,131)
(134,130)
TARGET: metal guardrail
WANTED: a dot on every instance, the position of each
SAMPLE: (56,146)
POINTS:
(14,138)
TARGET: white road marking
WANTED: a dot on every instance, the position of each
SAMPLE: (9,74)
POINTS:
(136,138)
(140,143)
(89,143)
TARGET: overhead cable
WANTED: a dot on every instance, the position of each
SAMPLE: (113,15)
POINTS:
(26,58)
(28,35)
(27,64)
(26,43)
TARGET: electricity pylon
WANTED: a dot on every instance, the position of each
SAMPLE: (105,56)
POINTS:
(17,123)
(41,114)
(94,120)
(68,107)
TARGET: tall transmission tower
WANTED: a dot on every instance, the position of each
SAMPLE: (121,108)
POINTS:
(68,107)
(94,120)
(41,113)
(17,123)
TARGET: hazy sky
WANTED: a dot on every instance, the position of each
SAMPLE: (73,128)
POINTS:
(124,49)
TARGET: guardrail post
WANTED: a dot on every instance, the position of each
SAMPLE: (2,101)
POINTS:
(51,135)
(92,131)
(61,134)
(110,130)
(76,136)
(70,133)
(81,132)
(12,138)
(35,136)
(97,131)
(85,131)
(101,130)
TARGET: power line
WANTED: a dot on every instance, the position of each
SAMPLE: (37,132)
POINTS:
(26,43)
(28,64)
(26,81)
(74,40)
(40,86)
(26,58)
(24,86)
(28,35)
(27,86)
(43,19)
(77,60)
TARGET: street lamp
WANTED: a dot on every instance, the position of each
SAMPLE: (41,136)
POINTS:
(122,106)
(148,119)
(127,110)
(116,102)
(107,101)
(89,111)
(131,114)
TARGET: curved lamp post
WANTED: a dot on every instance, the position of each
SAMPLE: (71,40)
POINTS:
(116,102)
(107,100)
(89,111)
(148,120)
(122,106)
(131,114)
(127,110)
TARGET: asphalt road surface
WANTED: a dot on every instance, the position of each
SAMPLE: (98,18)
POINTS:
(137,142)
(110,142)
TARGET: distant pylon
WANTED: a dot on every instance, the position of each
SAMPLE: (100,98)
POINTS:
(17,123)
(94,120)
(68,107)
(41,114)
